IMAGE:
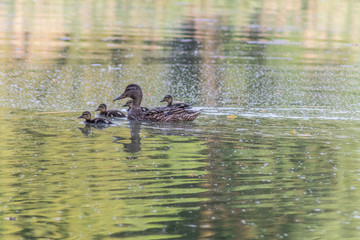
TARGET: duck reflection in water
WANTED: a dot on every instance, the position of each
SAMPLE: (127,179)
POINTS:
(87,129)
(135,145)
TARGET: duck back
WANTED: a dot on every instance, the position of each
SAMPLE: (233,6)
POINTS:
(114,114)
(99,121)
(171,114)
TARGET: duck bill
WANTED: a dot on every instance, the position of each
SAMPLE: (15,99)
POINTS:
(122,96)
(163,100)
(125,105)
(97,110)
(81,116)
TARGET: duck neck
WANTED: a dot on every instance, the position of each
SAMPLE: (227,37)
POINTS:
(135,114)
(137,101)
(135,111)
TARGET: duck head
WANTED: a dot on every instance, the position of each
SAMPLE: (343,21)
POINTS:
(168,98)
(101,108)
(132,91)
(86,115)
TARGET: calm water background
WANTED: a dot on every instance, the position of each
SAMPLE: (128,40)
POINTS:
(274,155)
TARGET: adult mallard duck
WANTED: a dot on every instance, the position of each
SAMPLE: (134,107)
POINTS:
(96,121)
(130,103)
(109,113)
(169,99)
(161,114)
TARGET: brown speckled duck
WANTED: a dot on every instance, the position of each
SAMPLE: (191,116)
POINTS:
(109,113)
(161,114)
(96,121)
(130,103)
(169,99)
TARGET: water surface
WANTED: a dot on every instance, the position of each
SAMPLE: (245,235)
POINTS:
(274,154)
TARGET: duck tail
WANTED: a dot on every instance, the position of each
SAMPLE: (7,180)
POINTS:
(192,115)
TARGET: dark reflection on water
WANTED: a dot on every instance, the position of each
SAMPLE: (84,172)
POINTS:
(184,81)
(86,130)
(135,145)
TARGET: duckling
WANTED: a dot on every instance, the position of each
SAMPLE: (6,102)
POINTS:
(109,113)
(129,104)
(169,99)
(96,121)
(161,114)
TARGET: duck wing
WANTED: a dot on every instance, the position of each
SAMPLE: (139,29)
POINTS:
(101,121)
(144,109)
(170,114)
(180,105)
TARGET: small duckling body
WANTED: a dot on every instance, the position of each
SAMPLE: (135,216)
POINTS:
(109,113)
(96,121)
(161,114)
(130,103)
(169,99)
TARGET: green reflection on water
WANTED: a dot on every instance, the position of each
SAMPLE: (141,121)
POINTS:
(270,177)
(64,182)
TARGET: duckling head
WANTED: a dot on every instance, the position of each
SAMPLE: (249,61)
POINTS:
(168,98)
(101,108)
(128,104)
(132,91)
(86,115)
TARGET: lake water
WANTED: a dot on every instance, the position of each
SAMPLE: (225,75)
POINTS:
(274,154)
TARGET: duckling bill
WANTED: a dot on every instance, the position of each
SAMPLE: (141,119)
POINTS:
(96,121)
